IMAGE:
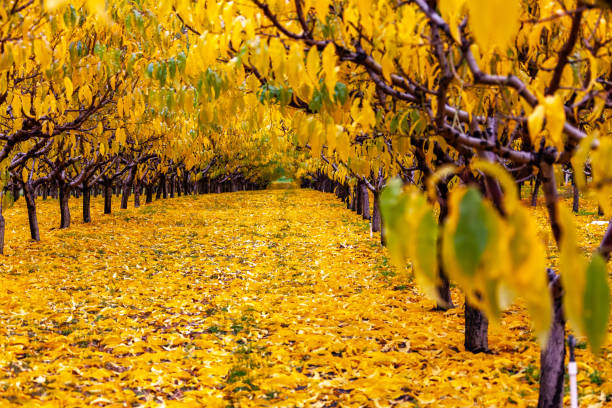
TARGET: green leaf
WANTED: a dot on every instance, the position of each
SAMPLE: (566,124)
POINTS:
(472,234)
(596,311)
(392,202)
(316,102)
(340,93)
(426,246)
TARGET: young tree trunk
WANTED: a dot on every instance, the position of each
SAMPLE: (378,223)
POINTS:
(552,358)
(476,330)
(108,198)
(45,192)
(536,188)
(86,203)
(64,196)
(30,199)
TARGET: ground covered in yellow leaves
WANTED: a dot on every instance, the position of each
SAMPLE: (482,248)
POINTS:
(273,298)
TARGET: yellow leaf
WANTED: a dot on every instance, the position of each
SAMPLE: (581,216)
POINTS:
(313,65)
(535,122)
(555,119)
(387,67)
(69,88)
(494,23)
(329,67)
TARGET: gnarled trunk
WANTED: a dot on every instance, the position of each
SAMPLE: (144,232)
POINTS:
(64,196)
(476,330)
(86,203)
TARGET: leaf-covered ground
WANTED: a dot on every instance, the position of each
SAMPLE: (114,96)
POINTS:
(274,298)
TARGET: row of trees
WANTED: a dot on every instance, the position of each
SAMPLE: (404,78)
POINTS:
(87,106)
(457,100)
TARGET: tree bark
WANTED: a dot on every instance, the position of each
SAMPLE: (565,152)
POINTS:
(86,203)
(64,196)
(30,199)
(476,330)
(552,358)
(108,198)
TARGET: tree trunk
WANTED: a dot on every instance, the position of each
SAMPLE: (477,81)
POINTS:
(149,193)
(159,190)
(444,293)
(576,198)
(172,185)
(164,186)
(376,219)
(86,203)
(552,358)
(30,199)
(536,188)
(108,198)
(125,195)
(365,202)
(137,192)
(64,196)
(2,227)
(476,330)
